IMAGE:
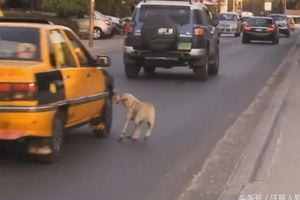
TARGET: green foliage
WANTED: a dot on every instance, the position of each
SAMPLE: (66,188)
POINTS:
(67,8)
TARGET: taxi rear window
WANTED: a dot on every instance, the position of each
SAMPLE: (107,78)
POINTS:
(18,43)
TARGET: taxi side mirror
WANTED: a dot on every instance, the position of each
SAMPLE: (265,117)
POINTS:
(103,61)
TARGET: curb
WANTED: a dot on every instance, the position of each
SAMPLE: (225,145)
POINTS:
(251,130)
(255,162)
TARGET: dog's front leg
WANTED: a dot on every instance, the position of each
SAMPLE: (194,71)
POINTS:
(136,132)
(123,133)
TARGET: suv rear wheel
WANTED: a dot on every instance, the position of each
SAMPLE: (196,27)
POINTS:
(201,71)
(213,69)
(149,70)
(132,70)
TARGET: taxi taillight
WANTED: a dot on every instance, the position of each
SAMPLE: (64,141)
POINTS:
(17,91)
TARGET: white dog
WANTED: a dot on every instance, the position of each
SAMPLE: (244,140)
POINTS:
(138,112)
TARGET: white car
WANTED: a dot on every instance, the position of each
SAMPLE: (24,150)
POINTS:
(102,26)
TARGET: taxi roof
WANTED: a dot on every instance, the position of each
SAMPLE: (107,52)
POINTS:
(32,25)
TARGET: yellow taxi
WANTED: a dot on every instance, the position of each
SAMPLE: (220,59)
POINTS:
(49,82)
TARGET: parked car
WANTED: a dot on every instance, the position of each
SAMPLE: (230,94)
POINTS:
(282,22)
(117,24)
(168,34)
(49,82)
(260,28)
(230,23)
(103,26)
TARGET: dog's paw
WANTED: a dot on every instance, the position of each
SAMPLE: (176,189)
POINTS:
(134,139)
(120,139)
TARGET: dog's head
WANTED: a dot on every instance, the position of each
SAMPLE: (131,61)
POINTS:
(126,99)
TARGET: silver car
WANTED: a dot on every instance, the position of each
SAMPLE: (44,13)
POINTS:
(102,26)
(229,23)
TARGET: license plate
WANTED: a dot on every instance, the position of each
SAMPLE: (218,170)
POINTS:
(258,29)
(184,45)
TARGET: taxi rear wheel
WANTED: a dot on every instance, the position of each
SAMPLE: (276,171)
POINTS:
(101,126)
(55,142)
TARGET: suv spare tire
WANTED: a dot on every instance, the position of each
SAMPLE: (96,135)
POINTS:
(159,33)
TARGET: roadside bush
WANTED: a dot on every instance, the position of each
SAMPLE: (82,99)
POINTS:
(66,8)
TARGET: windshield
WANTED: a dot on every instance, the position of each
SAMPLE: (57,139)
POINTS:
(179,14)
(227,17)
(259,22)
(278,17)
(19,43)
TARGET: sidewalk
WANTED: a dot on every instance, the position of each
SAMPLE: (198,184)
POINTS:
(282,179)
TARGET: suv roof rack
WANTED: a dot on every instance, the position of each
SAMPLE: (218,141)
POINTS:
(175,0)
(25,20)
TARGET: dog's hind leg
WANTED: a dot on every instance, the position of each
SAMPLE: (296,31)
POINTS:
(149,130)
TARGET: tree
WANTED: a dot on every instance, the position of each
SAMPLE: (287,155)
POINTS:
(66,8)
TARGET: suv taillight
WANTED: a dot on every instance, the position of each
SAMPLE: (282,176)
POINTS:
(17,91)
(198,31)
(128,28)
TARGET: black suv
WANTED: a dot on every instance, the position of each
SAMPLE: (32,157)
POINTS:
(171,33)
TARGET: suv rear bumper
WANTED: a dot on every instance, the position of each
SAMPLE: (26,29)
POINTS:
(169,55)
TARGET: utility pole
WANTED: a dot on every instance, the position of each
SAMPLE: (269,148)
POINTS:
(91,23)
(219,6)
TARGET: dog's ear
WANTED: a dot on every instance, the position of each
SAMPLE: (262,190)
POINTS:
(124,100)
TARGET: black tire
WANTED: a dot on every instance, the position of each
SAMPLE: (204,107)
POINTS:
(101,125)
(288,33)
(237,34)
(132,70)
(213,69)
(149,70)
(275,41)
(156,41)
(245,40)
(97,33)
(56,141)
(201,71)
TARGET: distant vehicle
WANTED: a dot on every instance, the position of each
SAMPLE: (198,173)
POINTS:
(245,15)
(260,28)
(170,34)
(296,20)
(103,26)
(282,22)
(117,24)
(229,22)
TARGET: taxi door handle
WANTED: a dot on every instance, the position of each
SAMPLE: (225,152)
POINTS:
(87,75)
(67,76)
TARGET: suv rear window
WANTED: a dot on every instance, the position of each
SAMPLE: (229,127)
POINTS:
(19,43)
(179,14)
(259,22)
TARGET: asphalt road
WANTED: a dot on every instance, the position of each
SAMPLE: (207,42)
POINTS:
(191,117)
